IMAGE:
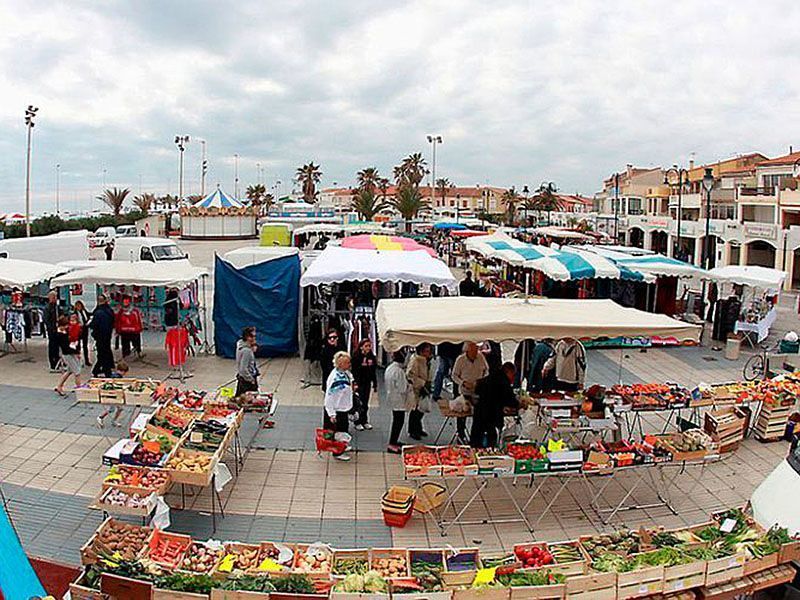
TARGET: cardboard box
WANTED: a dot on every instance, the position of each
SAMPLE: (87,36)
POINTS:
(413,471)
(101,503)
(184,541)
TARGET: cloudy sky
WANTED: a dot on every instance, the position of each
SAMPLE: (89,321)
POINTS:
(521,92)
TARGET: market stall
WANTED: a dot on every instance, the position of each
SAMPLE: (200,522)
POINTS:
(756,302)
(317,235)
(385,243)
(217,217)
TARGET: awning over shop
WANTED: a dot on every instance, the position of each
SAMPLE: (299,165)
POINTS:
(410,321)
(26,273)
(447,226)
(753,276)
(653,264)
(337,265)
(561,265)
(387,243)
(144,273)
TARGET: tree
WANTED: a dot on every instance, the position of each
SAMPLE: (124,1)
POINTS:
(511,199)
(308,176)
(368,204)
(409,203)
(368,178)
(545,199)
(411,171)
(144,202)
(383,186)
(443,185)
(114,199)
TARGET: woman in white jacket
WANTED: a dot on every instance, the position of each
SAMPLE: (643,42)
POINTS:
(396,386)
(339,398)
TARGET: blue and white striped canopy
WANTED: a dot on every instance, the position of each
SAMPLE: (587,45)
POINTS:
(218,199)
(561,265)
(656,265)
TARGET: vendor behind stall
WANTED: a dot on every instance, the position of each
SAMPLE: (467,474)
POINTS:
(469,368)
(493,394)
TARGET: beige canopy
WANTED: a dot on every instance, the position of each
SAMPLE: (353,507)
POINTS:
(410,321)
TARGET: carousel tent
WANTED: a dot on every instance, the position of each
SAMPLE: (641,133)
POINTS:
(218,199)
(336,264)
(144,273)
(26,273)
(385,243)
(410,321)
(753,276)
(561,265)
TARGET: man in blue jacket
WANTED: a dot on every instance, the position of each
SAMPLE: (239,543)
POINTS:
(102,326)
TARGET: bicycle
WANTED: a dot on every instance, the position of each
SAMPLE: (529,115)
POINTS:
(757,366)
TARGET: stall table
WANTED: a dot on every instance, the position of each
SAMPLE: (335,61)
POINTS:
(756,332)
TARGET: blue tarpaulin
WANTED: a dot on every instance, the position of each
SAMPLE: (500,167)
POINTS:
(264,295)
(17,577)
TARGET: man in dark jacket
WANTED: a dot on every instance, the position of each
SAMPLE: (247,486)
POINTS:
(51,314)
(467,286)
(494,394)
(102,326)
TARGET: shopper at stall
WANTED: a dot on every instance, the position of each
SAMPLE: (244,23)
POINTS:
(494,393)
(120,372)
(333,344)
(339,399)
(69,353)
(51,314)
(128,325)
(569,364)
(536,379)
(469,368)
(418,374)
(446,354)
(365,376)
(396,386)
(246,368)
(467,286)
(102,326)
(79,309)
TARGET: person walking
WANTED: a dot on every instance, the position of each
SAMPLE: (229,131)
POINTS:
(469,368)
(339,400)
(128,325)
(418,374)
(102,326)
(70,354)
(396,386)
(365,376)
(246,368)
(494,393)
(332,345)
(51,314)
(109,250)
(79,309)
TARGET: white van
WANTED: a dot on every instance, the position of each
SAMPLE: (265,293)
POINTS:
(55,248)
(147,248)
(102,237)
(126,231)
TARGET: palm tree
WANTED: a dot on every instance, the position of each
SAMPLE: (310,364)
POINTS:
(368,204)
(383,186)
(368,178)
(114,199)
(308,176)
(443,185)
(144,202)
(545,198)
(511,199)
(411,171)
(409,203)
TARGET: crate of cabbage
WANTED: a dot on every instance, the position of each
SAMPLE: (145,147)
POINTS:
(369,586)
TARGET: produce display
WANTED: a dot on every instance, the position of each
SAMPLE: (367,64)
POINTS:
(141,477)
(164,443)
(147,458)
(116,497)
(728,535)
(652,396)
(205,436)
(314,559)
(191,462)
(456,456)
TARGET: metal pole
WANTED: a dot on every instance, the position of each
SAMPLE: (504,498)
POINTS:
(236,176)
(433,171)
(680,198)
(28,185)
(180,174)
(616,208)
(203,169)
(58,181)
(707,244)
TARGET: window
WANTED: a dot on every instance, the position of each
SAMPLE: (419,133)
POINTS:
(780,181)
(634,206)
(146,254)
(167,252)
(723,211)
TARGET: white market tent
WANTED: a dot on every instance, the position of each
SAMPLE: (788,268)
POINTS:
(26,273)
(255,255)
(410,321)
(336,264)
(144,273)
(753,276)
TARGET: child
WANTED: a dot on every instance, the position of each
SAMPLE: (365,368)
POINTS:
(120,372)
(70,354)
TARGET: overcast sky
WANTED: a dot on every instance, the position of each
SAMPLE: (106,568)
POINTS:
(521,92)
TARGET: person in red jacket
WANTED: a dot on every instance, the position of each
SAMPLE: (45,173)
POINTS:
(128,325)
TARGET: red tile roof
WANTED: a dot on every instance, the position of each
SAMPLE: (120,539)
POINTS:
(787,159)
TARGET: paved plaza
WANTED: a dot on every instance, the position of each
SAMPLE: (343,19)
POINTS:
(51,449)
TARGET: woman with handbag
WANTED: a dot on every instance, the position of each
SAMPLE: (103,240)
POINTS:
(418,398)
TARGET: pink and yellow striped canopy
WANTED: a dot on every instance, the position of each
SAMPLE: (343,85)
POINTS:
(384,243)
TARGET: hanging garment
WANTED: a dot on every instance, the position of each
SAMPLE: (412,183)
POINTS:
(177,345)
(15,324)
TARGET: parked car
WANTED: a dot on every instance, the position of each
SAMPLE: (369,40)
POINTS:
(147,248)
(126,231)
(102,237)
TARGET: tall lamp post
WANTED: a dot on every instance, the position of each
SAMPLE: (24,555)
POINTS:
(180,142)
(616,208)
(30,114)
(236,176)
(525,192)
(203,166)
(433,140)
(58,190)
(708,185)
(683,179)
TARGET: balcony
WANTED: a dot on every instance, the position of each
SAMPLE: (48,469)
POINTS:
(687,201)
(756,192)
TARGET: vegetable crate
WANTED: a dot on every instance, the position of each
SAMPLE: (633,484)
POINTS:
(144,398)
(198,478)
(159,594)
(399,592)
(421,461)
(326,443)
(481,594)
(247,558)
(87,394)
(457,461)
(725,569)
(555,591)
(357,596)
(684,577)
(167,549)
(641,582)
(461,566)
(495,465)
(341,558)
(218,594)
(593,586)
(101,502)
(573,563)
(394,558)
(324,573)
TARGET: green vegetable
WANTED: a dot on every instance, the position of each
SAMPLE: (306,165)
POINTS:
(180,582)
(709,534)
(530,578)
(349,566)
(429,574)
(779,535)
(249,583)
(295,583)
(611,563)
(370,583)
(664,538)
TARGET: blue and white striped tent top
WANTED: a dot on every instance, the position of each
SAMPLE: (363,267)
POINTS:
(218,199)
(561,265)
(653,264)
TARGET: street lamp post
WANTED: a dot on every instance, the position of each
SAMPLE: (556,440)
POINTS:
(58,190)
(236,176)
(525,192)
(683,179)
(708,185)
(203,166)
(180,142)
(30,114)
(433,140)
(616,208)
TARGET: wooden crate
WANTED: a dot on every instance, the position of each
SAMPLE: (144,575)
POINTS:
(87,394)
(789,552)
(460,577)
(217,594)
(159,491)
(101,504)
(358,596)
(727,568)
(159,594)
(378,553)
(413,471)
(576,567)
(236,548)
(350,554)
(642,582)
(78,591)
(684,577)
(539,592)
(88,548)
(481,594)
(300,550)
(188,477)
(138,398)
(756,565)
(267,547)
(592,586)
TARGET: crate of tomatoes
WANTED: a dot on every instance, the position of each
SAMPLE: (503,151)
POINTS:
(528,457)
(421,461)
(457,461)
